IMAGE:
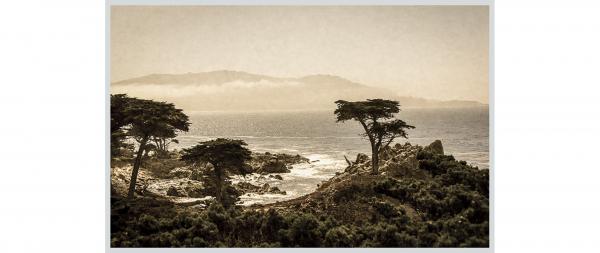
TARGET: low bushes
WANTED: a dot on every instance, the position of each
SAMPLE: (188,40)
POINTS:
(452,210)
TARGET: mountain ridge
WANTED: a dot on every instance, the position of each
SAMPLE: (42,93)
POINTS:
(229,90)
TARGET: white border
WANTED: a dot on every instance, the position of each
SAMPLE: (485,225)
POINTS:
(489,3)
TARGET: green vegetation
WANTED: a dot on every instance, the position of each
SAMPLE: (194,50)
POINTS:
(375,116)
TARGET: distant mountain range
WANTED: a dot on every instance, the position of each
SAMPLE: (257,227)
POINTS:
(226,90)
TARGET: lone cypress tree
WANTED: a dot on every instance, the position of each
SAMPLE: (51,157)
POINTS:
(376,117)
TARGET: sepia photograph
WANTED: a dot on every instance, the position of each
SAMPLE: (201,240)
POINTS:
(300,126)
(265,126)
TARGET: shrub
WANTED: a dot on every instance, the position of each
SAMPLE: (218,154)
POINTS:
(452,209)
(348,193)
(303,231)
(199,242)
(405,240)
(341,236)
(385,209)
(272,223)
(147,224)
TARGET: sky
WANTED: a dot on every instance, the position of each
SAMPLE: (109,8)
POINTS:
(436,52)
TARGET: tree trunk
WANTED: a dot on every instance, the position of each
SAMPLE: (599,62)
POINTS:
(146,151)
(375,164)
(374,160)
(136,168)
(218,185)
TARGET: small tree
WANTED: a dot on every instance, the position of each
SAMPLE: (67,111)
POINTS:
(376,117)
(162,141)
(223,155)
(146,119)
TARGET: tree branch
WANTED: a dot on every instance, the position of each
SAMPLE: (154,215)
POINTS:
(389,142)
(362,122)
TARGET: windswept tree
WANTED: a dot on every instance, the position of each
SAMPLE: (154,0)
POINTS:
(376,117)
(224,155)
(143,120)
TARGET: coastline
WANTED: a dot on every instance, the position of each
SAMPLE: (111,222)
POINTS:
(404,197)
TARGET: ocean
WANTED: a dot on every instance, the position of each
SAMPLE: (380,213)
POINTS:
(464,133)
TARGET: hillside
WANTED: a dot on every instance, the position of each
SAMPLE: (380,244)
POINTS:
(240,91)
(422,198)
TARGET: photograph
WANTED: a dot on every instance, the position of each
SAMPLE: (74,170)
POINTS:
(333,126)
(267,126)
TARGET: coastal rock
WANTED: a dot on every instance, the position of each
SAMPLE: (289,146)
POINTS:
(176,187)
(278,177)
(195,190)
(400,159)
(273,167)
(173,191)
(120,181)
(435,147)
(266,163)
(180,173)
(245,187)
(389,153)
(266,188)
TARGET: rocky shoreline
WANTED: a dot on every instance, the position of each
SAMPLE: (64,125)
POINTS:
(181,182)
(421,198)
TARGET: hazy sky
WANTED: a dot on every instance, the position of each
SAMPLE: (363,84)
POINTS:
(438,52)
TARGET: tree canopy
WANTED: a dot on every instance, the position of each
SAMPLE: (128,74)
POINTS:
(151,118)
(143,119)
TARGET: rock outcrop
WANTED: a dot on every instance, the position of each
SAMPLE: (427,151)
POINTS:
(278,177)
(352,195)
(273,167)
(245,187)
(397,160)
(265,163)
(173,191)
(436,147)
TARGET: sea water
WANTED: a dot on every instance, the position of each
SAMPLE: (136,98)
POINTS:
(464,133)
